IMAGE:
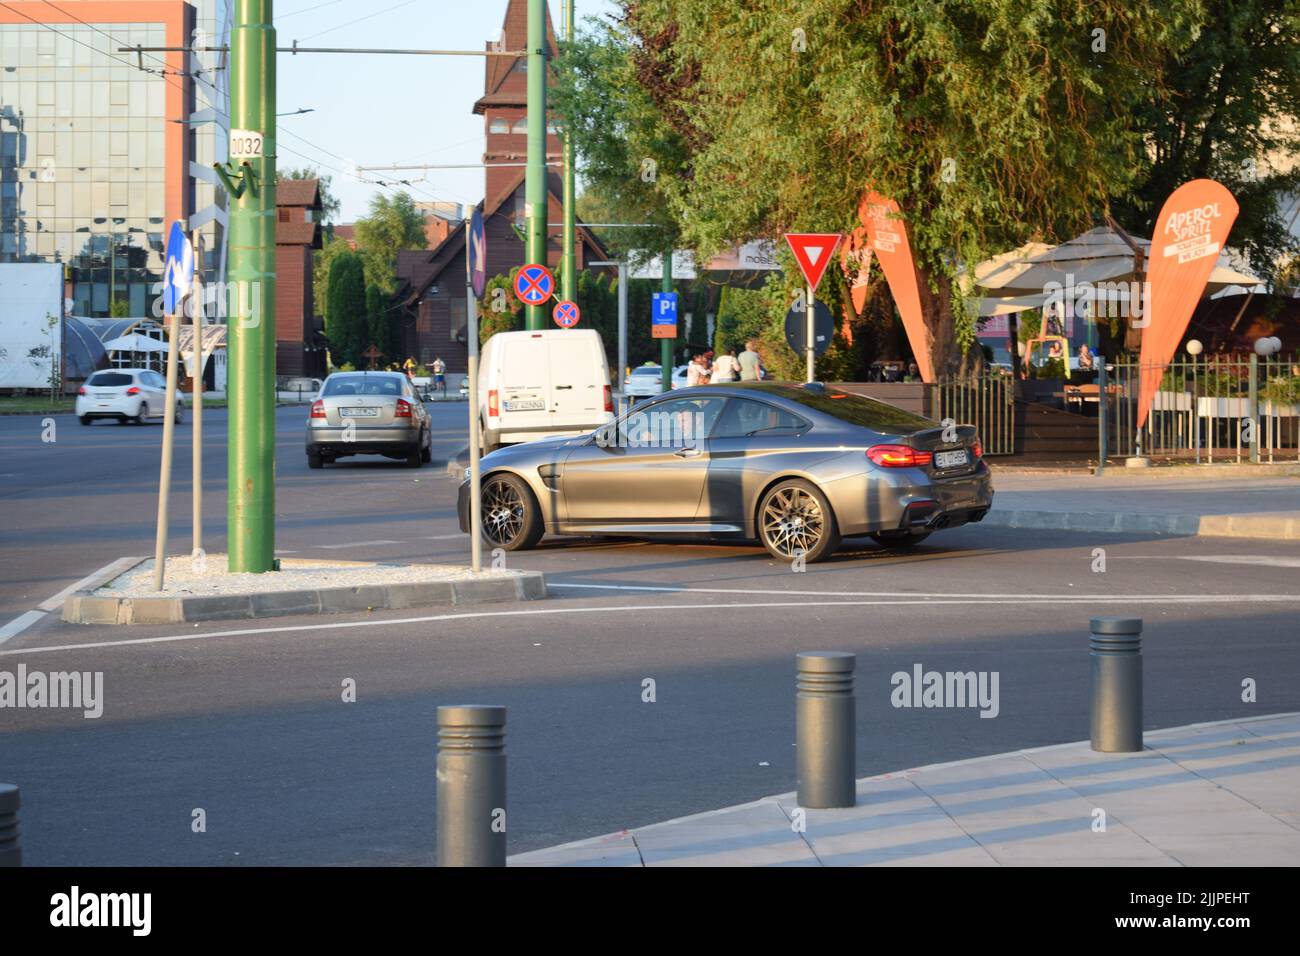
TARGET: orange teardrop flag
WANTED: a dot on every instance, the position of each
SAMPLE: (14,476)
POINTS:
(1193,226)
(887,238)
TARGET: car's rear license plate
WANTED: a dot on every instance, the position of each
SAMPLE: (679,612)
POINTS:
(359,412)
(951,459)
(525,405)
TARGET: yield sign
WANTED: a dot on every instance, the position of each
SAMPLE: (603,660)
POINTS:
(534,284)
(813,251)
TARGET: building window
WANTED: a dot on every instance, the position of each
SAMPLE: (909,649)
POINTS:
(521,125)
(499,125)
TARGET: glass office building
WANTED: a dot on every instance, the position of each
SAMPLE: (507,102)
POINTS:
(98,156)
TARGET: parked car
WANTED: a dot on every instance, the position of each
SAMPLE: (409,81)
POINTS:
(464,386)
(644,381)
(541,384)
(797,467)
(679,376)
(127,394)
(368,413)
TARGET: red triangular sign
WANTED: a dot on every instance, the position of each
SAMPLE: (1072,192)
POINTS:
(813,251)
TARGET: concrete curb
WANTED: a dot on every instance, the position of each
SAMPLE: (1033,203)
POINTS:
(1271,527)
(84,607)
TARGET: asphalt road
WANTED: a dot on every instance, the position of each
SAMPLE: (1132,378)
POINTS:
(246,720)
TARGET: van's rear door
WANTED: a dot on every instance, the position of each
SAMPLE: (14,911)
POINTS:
(577,388)
(525,382)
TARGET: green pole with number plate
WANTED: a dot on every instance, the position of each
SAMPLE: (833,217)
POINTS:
(535,178)
(250,387)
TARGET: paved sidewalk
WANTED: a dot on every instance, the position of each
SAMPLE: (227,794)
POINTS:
(1215,794)
(1163,501)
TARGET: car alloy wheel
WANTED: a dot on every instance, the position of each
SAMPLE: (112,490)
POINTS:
(510,516)
(795,521)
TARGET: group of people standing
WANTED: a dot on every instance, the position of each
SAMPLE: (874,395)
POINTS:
(706,369)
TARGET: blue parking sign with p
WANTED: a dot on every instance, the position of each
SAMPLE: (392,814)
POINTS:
(663,315)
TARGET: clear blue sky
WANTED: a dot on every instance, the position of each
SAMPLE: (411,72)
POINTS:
(376,110)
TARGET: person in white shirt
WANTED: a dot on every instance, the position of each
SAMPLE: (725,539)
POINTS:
(697,372)
(725,368)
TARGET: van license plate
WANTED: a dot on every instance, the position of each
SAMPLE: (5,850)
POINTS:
(528,405)
(950,459)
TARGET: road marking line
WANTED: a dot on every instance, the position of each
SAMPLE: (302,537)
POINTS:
(446,537)
(976,596)
(352,544)
(627,608)
(19,624)
(1261,560)
(106,573)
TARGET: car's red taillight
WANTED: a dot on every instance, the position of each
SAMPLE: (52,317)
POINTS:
(494,404)
(609,399)
(133,390)
(82,390)
(977,449)
(403,409)
(318,409)
(898,456)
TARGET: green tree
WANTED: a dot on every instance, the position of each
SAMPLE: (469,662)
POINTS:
(347,328)
(498,309)
(379,324)
(322,262)
(393,224)
(988,121)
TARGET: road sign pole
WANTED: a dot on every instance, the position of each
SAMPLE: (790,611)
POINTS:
(810,344)
(197,317)
(250,508)
(622,325)
(569,276)
(475,489)
(666,345)
(535,180)
(169,438)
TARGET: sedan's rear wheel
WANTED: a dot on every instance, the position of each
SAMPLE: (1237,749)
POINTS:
(795,521)
(84,419)
(315,461)
(511,519)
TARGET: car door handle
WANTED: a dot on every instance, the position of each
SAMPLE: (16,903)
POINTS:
(689,453)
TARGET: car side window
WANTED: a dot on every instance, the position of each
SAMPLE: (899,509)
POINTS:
(743,418)
(678,423)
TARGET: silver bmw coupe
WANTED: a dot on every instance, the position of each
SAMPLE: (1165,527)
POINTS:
(797,467)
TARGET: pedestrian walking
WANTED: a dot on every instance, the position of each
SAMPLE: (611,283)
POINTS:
(725,369)
(751,363)
(697,372)
(439,373)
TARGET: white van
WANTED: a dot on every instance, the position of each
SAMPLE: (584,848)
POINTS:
(542,384)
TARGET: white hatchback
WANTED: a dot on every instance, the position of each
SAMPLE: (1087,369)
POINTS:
(126,394)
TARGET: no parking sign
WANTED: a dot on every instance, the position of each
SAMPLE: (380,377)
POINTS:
(566,314)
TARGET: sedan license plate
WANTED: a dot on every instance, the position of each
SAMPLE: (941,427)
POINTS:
(951,459)
(359,412)
(526,405)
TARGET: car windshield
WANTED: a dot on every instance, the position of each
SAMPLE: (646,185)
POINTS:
(110,379)
(847,407)
(645,371)
(361,385)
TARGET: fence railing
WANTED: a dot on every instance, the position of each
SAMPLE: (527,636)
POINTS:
(1208,409)
(988,402)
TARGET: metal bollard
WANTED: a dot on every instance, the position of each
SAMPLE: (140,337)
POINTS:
(825,736)
(472,786)
(1116,659)
(11,851)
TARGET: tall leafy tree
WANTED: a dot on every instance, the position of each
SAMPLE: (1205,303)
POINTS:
(988,121)
(347,327)
(393,224)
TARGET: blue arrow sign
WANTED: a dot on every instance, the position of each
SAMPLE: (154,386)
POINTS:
(178,271)
(477,254)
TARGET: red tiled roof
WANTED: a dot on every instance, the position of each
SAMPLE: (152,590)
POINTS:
(298,192)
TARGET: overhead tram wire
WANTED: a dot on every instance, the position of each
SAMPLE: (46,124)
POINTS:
(368,16)
(311,9)
(166,70)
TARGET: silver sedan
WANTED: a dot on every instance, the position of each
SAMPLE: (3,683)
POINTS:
(368,413)
(797,467)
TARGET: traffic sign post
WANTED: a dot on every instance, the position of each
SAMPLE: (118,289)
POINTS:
(813,251)
(534,285)
(566,314)
(178,277)
(796,329)
(475,281)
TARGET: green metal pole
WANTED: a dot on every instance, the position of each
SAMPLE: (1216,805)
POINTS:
(666,345)
(569,277)
(250,509)
(535,182)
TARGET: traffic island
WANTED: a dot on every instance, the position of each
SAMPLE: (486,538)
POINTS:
(206,591)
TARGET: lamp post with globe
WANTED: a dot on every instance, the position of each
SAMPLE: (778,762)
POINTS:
(1194,348)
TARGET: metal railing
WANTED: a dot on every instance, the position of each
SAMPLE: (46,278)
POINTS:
(1207,409)
(987,402)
